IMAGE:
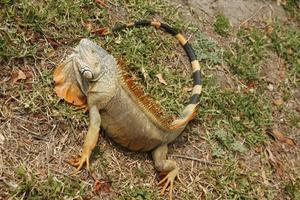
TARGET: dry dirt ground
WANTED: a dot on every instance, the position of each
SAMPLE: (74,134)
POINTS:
(34,145)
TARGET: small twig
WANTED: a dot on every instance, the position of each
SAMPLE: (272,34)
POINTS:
(70,177)
(34,134)
(196,159)
(252,16)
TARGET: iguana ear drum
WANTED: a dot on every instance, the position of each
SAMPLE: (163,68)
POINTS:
(86,72)
(87,75)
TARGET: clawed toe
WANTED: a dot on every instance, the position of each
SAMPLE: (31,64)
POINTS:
(78,162)
(168,180)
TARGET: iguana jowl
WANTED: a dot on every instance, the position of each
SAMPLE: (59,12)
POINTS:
(90,76)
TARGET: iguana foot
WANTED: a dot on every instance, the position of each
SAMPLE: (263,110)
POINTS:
(168,180)
(79,161)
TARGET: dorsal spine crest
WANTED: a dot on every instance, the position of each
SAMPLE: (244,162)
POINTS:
(154,111)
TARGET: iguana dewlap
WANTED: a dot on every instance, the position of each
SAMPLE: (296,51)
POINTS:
(90,76)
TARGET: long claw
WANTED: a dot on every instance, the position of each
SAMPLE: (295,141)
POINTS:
(88,163)
(163,180)
(171,190)
(165,186)
(76,171)
(168,180)
(79,161)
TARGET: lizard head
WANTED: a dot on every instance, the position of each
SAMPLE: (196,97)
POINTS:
(73,75)
(87,57)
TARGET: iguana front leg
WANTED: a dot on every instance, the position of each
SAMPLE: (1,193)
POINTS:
(168,167)
(90,139)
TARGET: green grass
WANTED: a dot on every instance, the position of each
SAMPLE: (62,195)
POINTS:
(222,25)
(31,29)
(30,187)
(246,56)
(207,51)
(225,179)
(292,189)
(286,43)
(293,8)
(138,193)
(234,119)
(245,115)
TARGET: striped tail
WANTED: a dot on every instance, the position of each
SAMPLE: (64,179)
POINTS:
(190,111)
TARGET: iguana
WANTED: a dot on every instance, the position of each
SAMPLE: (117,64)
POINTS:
(90,76)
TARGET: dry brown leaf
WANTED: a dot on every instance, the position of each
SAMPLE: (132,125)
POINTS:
(258,149)
(250,87)
(16,76)
(161,79)
(101,3)
(269,30)
(53,43)
(279,169)
(97,186)
(278,101)
(100,185)
(277,135)
(277,165)
(101,31)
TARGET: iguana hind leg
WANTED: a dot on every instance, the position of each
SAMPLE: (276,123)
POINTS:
(165,166)
(90,140)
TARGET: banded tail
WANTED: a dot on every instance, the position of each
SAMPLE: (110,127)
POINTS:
(190,110)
